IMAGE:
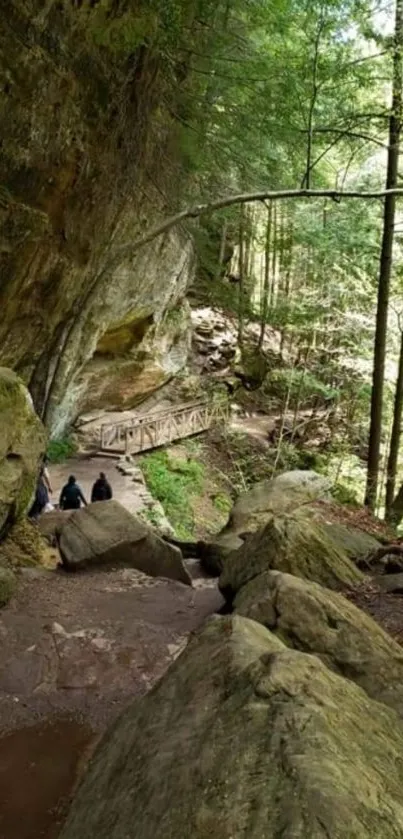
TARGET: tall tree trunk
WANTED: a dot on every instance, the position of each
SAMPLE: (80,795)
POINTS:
(223,244)
(385,267)
(395,437)
(241,284)
(266,282)
(273,292)
(306,181)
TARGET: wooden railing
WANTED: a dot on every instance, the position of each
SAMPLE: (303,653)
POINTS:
(162,427)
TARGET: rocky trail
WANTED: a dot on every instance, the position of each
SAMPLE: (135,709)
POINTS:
(74,650)
(77,648)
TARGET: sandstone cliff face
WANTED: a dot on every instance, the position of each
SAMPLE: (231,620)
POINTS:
(86,158)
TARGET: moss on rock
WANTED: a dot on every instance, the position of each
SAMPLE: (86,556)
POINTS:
(293,544)
(8,584)
(23,545)
(22,443)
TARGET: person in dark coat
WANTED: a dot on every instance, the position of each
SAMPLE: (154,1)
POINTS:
(71,496)
(41,497)
(102,490)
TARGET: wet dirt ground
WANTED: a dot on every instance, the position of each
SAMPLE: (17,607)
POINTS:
(74,651)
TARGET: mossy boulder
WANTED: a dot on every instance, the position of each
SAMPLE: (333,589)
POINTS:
(8,584)
(245,738)
(282,494)
(293,544)
(314,619)
(22,443)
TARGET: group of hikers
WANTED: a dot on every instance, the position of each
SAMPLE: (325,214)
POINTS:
(71,496)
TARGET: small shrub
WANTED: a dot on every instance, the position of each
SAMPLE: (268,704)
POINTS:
(301,385)
(60,450)
(345,495)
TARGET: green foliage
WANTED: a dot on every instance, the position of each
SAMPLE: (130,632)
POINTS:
(157,24)
(174,482)
(345,495)
(300,386)
(61,449)
(222,502)
(151,516)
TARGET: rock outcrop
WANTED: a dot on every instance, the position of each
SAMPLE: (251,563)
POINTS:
(22,443)
(282,494)
(105,533)
(295,545)
(245,738)
(86,161)
(313,619)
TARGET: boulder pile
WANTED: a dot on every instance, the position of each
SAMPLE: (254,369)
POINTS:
(282,719)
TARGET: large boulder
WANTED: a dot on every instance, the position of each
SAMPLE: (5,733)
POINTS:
(282,494)
(107,534)
(245,738)
(293,544)
(22,443)
(314,619)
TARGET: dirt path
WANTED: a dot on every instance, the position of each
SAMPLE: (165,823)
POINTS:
(75,649)
(87,470)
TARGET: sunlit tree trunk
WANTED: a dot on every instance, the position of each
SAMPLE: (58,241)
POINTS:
(385,267)
(221,254)
(273,291)
(266,280)
(241,285)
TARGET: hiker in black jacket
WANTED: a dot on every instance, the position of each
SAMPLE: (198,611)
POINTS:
(101,491)
(71,496)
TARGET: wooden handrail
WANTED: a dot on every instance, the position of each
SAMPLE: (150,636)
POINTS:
(143,419)
(156,429)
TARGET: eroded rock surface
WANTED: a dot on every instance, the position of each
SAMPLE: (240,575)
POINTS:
(244,737)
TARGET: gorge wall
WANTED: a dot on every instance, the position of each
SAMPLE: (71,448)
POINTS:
(87,160)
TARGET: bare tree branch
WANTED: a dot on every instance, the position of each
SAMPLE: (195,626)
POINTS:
(244,198)
(347,133)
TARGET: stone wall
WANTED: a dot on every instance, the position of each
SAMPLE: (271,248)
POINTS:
(86,162)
